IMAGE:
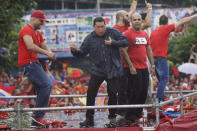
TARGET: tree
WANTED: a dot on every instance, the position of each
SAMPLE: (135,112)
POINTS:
(179,46)
(11,22)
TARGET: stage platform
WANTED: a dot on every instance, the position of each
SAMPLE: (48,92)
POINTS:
(70,122)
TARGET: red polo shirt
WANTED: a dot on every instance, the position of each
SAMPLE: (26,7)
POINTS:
(24,55)
(159,40)
(121,28)
(137,48)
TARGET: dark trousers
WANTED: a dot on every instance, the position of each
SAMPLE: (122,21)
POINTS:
(137,93)
(94,84)
(122,93)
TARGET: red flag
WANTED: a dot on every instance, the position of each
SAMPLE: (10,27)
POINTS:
(65,65)
(176,73)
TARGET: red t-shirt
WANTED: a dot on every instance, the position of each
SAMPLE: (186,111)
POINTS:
(159,40)
(24,55)
(137,48)
(121,28)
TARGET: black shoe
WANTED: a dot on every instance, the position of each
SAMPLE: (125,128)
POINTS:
(133,123)
(110,125)
(87,124)
(122,123)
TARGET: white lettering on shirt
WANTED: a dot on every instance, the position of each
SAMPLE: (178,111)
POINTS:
(139,40)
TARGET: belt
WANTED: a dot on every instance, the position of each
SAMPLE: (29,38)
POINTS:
(159,57)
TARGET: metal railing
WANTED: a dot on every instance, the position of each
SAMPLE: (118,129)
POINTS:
(155,105)
(73,96)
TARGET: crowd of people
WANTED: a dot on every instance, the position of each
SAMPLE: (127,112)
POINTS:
(124,57)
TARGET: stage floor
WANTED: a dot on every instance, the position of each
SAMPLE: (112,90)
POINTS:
(72,122)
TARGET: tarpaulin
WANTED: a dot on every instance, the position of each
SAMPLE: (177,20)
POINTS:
(93,129)
(187,122)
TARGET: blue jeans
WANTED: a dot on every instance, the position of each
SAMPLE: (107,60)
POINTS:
(162,72)
(41,83)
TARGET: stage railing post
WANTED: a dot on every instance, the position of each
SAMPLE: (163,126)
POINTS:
(181,103)
(157,112)
(19,115)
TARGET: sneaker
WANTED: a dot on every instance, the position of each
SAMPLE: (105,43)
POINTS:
(87,123)
(111,124)
(122,123)
(120,118)
(39,122)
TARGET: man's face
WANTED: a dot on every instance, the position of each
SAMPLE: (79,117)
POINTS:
(99,28)
(38,23)
(136,21)
(125,17)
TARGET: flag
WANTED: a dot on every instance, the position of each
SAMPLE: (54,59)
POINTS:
(65,65)
(70,70)
(6,90)
(100,101)
(52,79)
(176,73)
(74,72)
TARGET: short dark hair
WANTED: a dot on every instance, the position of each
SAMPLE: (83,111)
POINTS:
(163,20)
(98,19)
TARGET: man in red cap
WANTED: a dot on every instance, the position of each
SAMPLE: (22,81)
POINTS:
(31,42)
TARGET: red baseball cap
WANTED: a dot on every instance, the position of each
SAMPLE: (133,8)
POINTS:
(39,14)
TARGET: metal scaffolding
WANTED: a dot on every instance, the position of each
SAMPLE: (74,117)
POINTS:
(19,109)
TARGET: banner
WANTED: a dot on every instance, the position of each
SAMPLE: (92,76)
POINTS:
(67,27)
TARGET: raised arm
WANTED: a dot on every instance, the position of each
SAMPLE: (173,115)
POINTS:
(185,20)
(191,50)
(132,7)
(148,19)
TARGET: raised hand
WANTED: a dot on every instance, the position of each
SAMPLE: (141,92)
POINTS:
(148,5)
(193,46)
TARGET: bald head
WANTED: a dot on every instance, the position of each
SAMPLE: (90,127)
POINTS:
(120,13)
(136,21)
(135,15)
(122,16)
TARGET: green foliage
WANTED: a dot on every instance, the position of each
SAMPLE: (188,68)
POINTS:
(125,1)
(190,2)
(179,46)
(10,25)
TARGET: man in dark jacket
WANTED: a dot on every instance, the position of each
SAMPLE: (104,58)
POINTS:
(102,45)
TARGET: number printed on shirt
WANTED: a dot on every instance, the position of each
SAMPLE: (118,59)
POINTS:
(139,40)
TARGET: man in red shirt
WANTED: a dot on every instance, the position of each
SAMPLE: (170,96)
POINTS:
(122,24)
(31,42)
(159,43)
(138,51)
